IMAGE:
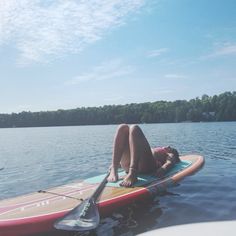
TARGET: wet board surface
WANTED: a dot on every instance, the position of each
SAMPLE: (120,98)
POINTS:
(38,211)
(143,180)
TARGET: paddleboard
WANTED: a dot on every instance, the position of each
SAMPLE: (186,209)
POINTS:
(37,212)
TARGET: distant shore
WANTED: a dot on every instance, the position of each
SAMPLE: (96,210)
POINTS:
(220,107)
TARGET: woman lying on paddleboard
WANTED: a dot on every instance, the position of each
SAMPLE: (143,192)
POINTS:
(133,153)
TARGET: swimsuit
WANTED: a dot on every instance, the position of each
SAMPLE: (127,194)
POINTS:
(161,150)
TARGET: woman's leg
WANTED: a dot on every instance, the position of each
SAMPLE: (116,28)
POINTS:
(141,157)
(121,143)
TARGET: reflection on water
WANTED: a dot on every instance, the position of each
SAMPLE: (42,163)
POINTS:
(38,158)
(137,217)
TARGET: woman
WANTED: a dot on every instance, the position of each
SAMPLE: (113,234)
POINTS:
(132,151)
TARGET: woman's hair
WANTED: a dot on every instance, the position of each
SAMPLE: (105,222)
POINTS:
(175,153)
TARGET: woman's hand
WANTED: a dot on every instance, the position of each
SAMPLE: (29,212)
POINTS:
(160,172)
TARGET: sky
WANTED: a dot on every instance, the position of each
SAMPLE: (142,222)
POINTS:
(57,54)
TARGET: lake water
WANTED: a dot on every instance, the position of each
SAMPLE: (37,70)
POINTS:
(38,158)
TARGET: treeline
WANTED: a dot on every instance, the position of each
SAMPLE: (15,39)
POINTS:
(207,108)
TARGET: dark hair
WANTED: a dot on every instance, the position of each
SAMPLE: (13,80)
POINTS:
(175,153)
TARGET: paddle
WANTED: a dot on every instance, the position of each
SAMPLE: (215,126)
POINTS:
(85,216)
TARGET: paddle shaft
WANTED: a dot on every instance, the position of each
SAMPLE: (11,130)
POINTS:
(91,201)
(85,216)
(100,188)
(95,195)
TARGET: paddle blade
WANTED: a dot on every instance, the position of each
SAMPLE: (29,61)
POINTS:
(83,217)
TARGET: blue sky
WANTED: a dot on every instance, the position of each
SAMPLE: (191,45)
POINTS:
(69,54)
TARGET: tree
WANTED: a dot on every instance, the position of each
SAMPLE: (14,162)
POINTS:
(217,108)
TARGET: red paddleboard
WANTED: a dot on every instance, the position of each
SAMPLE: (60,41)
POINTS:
(37,212)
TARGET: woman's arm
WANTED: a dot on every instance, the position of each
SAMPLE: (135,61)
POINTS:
(170,162)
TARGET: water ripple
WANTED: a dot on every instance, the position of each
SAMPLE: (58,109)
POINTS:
(38,158)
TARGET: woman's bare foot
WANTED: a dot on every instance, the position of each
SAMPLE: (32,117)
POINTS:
(129,180)
(113,177)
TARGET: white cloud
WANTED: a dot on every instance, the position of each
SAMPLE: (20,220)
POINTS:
(226,49)
(42,30)
(107,70)
(175,76)
(157,52)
